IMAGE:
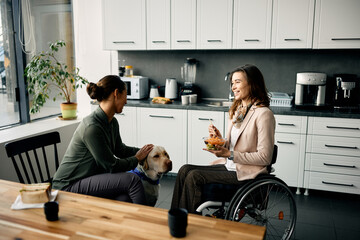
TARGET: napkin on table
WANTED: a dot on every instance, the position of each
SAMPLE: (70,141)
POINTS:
(18,204)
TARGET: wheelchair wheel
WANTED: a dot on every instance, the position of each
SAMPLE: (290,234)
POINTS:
(268,202)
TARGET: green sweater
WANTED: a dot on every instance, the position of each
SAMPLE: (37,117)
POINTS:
(96,147)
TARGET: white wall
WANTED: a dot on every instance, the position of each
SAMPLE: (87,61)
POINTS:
(93,62)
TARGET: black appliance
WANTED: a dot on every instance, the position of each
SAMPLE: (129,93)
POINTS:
(189,88)
(345,92)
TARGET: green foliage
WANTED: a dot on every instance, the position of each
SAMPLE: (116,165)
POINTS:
(44,71)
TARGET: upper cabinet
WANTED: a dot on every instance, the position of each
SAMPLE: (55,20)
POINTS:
(252,24)
(124,24)
(214,24)
(158,24)
(292,25)
(230,24)
(336,24)
(183,24)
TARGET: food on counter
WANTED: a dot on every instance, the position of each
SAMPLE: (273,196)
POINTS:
(161,100)
(35,193)
(211,142)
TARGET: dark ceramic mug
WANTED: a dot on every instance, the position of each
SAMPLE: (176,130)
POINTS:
(51,210)
(177,220)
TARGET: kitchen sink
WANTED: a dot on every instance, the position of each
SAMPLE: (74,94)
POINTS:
(220,104)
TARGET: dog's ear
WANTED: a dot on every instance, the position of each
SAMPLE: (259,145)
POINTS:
(145,164)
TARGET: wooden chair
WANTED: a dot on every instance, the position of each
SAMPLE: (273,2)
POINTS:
(35,165)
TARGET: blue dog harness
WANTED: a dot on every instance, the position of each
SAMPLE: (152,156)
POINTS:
(144,177)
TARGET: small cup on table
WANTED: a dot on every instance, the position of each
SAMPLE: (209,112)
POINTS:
(51,210)
(178,220)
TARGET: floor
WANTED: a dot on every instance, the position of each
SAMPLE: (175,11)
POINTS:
(321,215)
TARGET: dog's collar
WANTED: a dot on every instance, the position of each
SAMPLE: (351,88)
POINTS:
(144,177)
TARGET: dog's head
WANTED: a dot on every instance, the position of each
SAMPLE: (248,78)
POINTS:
(157,163)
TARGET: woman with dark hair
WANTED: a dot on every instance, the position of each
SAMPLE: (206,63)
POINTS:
(249,146)
(96,161)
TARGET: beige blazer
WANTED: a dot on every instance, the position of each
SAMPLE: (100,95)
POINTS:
(254,144)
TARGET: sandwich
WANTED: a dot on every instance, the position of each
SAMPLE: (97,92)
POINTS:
(35,193)
(161,100)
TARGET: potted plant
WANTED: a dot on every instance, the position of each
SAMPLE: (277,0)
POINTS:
(45,73)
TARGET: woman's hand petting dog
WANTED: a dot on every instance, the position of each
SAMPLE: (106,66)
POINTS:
(143,152)
(220,151)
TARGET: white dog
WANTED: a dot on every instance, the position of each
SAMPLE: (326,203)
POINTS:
(151,170)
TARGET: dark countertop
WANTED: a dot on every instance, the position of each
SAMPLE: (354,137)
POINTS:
(277,110)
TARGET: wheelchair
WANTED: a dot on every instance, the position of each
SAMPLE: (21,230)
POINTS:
(265,201)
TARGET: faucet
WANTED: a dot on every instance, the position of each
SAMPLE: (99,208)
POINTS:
(231,95)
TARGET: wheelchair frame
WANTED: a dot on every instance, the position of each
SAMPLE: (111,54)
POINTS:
(265,201)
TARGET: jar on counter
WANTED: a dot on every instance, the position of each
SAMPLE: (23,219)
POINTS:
(129,71)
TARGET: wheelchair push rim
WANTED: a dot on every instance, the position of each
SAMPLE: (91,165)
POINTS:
(267,202)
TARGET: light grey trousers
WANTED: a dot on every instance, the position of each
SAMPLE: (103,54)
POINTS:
(122,186)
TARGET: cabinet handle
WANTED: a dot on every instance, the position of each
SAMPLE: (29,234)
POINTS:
(286,124)
(158,41)
(206,119)
(124,42)
(122,114)
(251,40)
(347,128)
(284,142)
(158,116)
(291,39)
(342,39)
(183,40)
(337,165)
(335,146)
(339,184)
(213,40)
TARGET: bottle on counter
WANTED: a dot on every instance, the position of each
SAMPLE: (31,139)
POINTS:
(129,71)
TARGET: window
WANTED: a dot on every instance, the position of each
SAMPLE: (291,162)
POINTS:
(37,23)
(9,107)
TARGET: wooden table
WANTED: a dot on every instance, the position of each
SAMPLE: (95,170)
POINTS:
(86,217)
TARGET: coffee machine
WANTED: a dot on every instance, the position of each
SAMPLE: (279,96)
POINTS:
(346,92)
(310,90)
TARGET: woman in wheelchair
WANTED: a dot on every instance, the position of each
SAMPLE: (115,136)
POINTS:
(249,147)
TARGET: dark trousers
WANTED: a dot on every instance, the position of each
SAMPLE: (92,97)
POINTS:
(190,180)
(122,186)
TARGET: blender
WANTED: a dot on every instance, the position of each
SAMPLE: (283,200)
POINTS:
(188,74)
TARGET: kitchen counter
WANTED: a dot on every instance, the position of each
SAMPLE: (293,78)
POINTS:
(277,110)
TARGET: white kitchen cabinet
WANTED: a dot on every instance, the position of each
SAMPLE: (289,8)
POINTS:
(290,137)
(127,125)
(332,155)
(158,24)
(292,25)
(252,24)
(337,24)
(198,123)
(183,24)
(124,24)
(167,128)
(214,24)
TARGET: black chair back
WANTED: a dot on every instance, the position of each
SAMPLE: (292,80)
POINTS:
(32,166)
